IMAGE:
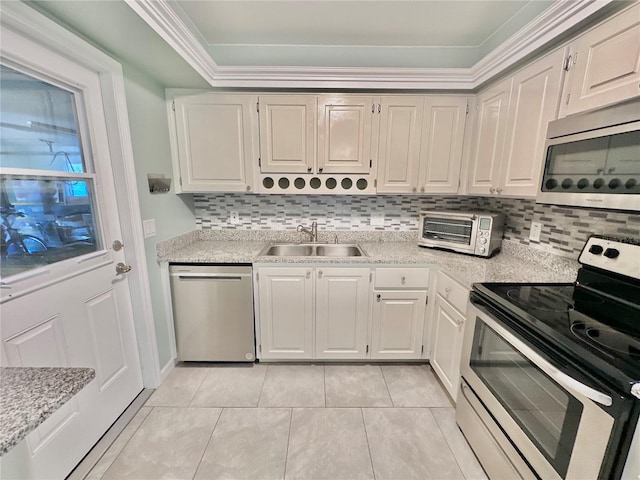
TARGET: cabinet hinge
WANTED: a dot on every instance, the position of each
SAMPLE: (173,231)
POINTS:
(426,301)
(370,163)
(373,108)
(259,162)
(260,348)
(467,112)
(257,276)
(567,62)
(173,105)
(568,96)
(378,108)
(258,107)
(367,351)
(422,351)
(375,183)
(180,181)
(370,277)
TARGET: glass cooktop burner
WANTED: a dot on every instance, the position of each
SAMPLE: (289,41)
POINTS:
(607,338)
(540,299)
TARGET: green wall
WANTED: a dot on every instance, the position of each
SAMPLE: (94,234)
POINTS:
(174,214)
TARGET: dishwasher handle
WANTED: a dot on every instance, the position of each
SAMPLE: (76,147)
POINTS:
(214,276)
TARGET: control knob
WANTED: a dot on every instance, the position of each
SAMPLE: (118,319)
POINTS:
(483,240)
(596,249)
(611,253)
(482,249)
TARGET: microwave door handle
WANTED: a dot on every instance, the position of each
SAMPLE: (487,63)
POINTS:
(573,384)
(560,377)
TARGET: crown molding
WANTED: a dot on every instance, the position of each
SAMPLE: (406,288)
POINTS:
(560,17)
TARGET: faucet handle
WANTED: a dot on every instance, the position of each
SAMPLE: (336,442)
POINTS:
(335,239)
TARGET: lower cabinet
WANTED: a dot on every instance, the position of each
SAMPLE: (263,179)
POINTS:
(334,313)
(447,333)
(286,313)
(398,320)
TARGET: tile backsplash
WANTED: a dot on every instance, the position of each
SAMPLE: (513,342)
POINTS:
(564,229)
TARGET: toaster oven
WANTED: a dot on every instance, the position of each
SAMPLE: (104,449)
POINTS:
(473,233)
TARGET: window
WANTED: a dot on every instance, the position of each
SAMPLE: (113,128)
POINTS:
(47,193)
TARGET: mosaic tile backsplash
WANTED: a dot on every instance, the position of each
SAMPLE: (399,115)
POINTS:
(564,229)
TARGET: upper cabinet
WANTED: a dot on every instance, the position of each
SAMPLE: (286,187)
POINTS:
(604,66)
(287,133)
(443,126)
(511,126)
(214,142)
(344,134)
(399,143)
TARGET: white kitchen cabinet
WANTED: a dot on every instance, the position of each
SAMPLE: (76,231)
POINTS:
(604,66)
(286,309)
(492,108)
(448,320)
(342,313)
(215,142)
(397,326)
(287,133)
(345,133)
(443,126)
(511,126)
(399,306)
(535,97)
(399,143)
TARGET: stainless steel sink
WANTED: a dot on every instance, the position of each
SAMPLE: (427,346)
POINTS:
(313,250)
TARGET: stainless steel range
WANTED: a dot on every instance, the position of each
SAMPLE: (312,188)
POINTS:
(551,372)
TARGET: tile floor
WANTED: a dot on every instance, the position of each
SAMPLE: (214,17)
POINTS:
(295,422)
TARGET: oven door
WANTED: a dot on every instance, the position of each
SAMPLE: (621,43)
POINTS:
(557,423)
(455,231)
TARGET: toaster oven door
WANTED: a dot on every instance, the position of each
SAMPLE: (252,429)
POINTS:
(453,231)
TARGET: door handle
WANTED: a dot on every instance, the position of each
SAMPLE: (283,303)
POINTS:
(121,268)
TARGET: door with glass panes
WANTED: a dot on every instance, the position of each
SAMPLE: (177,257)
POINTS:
(65,298)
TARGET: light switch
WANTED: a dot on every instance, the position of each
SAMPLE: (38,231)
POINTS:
(534,234)
(234,218)
(149,227)
(377,219)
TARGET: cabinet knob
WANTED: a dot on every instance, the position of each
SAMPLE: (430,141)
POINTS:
(319,273)
(308,274)
(447,291)
(378,297)
(492,190)
(308,169)
(320,169)
(422,189)
(414,189)
(498,190)
(403,280)
(248,188)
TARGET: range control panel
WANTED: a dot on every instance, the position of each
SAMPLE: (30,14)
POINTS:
(618,255)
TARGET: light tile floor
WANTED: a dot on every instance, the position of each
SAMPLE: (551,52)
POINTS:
(313,422)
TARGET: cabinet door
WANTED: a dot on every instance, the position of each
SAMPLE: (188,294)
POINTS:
(441,149)
(344,134)
(215,142)
(606,63)
(488,139)
(446,349)
(399,144)
(535,97)
(287,133)
(286,313)
(342,312)
(398,320)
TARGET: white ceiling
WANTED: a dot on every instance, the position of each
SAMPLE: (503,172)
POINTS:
(398,44)
(369,33)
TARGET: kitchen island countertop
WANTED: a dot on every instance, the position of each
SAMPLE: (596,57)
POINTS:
(28,396)
(515,263)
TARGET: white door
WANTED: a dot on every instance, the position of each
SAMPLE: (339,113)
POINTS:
(62,304)
(443,126)
(398,320)
(535,97)
(605,64)
(488,138)
(344,134)
(214,135)
(286,312)
(448,333)
(399,144)
(287,133)
(342,312)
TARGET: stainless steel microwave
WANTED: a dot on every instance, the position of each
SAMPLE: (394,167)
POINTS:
(465,232)
(592,159)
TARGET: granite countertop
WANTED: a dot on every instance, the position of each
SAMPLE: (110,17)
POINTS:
(28,396)
(515,263)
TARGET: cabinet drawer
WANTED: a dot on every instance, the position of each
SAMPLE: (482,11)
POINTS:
(453,292)
(402,278)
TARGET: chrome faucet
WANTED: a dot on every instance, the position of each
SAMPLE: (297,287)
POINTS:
(313,232)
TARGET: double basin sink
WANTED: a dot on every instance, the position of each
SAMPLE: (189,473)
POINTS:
(313,250)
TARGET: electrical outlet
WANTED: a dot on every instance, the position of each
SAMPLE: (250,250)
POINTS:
(234,218)
(377,219)
(534,234)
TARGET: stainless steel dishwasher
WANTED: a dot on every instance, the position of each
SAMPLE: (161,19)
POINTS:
(213,312)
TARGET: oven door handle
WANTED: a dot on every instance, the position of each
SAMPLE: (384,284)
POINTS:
(560,377)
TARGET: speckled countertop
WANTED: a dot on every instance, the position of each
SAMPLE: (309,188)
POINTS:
(515,263)
(28,396)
